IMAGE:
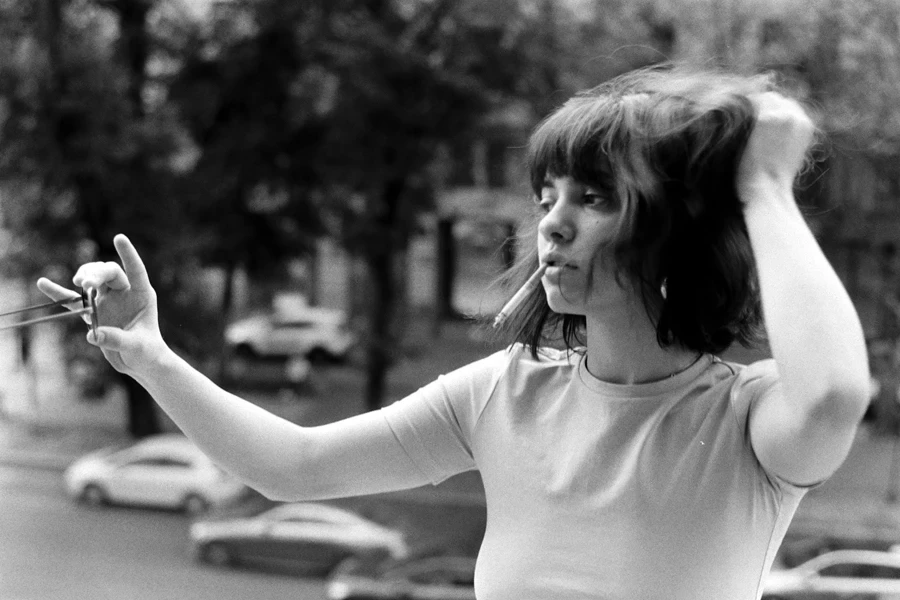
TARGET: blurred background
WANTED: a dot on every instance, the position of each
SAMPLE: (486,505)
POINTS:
(325,192)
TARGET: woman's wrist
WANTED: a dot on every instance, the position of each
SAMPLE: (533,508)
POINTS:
(158,365)
(766,190)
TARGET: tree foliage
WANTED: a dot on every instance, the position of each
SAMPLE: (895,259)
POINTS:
(236,139)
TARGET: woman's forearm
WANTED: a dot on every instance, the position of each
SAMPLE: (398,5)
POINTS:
(813,328)
(248,441)
(353,456)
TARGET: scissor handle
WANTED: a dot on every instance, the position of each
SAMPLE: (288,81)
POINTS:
(89,301)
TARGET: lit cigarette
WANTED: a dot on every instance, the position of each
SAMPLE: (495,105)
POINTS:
(519,297)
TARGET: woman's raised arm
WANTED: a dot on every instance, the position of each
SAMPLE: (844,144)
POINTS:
(804,432)
(277,457)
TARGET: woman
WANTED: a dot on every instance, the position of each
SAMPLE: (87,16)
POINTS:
(633,463)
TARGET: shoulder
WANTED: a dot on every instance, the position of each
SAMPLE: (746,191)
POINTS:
(755,377)
(510,372)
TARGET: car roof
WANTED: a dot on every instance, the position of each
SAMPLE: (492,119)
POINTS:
(168,443)
(873,557)
(316,313)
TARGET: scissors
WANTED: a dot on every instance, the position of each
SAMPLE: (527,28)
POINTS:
(88,299)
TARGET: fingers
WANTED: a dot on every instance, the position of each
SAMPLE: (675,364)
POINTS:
(772,107)
(98,275)
(108,338)
(131,273)
(131,261)
(55,291)
(117,343)
(112,342)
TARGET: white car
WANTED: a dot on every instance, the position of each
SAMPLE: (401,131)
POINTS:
(837,574)
(317,333)
(161,471)
(444,577)
(312,537)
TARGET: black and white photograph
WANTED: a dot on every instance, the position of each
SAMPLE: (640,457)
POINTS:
(450,299)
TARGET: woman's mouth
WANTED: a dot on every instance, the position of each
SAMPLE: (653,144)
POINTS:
(556,268)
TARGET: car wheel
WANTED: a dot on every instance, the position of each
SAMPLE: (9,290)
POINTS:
(216,554)
(194,504)
(93,495)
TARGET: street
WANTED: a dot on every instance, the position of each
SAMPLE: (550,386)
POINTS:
(53,548)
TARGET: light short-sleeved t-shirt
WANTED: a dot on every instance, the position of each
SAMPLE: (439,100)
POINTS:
(603,491)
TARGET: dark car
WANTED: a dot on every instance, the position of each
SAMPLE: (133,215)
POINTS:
(306,538)
(425,578)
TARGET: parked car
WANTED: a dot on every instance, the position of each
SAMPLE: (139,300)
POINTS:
(161,471)
(839,574)
(317,333)
(307,537)
(424,578)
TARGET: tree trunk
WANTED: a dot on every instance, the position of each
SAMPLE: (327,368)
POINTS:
(446,269)
(135,46)
(225,311)
(380,340)
(142,418)
(389,221)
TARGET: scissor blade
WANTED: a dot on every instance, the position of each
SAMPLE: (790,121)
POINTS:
(40,306)
(56,317)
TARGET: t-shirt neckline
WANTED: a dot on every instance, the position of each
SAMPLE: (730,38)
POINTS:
(642,390)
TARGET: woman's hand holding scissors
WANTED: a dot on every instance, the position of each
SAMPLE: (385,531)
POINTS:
(129,333)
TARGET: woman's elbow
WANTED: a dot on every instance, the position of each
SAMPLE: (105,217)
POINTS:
(847,397)
(275,482)
(278,494)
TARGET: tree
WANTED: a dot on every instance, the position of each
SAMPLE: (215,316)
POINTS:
(243,93)
(412,76)
(83,158)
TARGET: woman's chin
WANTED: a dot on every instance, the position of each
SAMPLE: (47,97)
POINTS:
(559,305)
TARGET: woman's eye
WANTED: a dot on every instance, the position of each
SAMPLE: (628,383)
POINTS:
(592,199)
(544,203)
(595,200)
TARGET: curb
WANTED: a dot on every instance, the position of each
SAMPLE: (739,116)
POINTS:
(32,460)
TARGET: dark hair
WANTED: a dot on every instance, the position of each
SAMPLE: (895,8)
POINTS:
(667,141)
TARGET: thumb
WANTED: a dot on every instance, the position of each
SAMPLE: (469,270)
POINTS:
(111,338)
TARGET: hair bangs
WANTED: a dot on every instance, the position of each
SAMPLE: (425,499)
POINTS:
(574,141)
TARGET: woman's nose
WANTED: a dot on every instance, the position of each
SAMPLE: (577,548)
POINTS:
(557,225)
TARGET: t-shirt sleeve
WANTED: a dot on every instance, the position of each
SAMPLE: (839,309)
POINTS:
(434,424)
(755,382)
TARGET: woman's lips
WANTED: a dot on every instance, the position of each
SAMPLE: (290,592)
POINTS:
(555,270)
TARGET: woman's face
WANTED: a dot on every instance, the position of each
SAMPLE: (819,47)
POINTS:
(575,238)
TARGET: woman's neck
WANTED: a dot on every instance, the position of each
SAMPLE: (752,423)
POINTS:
(622,348)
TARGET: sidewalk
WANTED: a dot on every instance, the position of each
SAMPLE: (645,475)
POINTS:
(51,447)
